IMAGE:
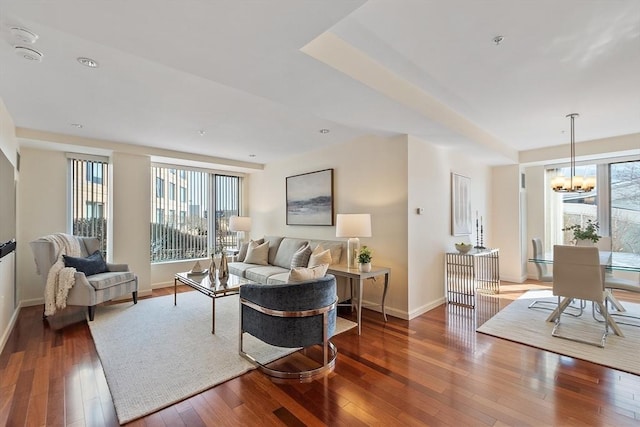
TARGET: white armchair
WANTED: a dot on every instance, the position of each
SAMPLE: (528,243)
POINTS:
(88,290)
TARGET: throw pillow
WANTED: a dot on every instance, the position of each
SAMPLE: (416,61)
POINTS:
(257,254)
(301,257)
(302,274)
(93,264)
(242,253)
(319,256)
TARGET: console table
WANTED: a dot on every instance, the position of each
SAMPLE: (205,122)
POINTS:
(465,273)
(357,276)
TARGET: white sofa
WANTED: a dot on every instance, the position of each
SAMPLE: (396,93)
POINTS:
(281,250)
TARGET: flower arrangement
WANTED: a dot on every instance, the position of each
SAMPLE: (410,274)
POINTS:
(588,232)
(365,255)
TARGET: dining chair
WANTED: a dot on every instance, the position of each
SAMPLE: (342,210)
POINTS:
(627,285)
(543,276)
(577,274)
(538,253)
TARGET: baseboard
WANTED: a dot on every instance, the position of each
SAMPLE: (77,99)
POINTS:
(161,285)
(426,307)
(9,328)
(31,302)
(514,279)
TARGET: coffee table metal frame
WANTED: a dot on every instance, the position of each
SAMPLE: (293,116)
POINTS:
(202,284)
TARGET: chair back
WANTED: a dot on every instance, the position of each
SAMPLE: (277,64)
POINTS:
(45,253)
(604,243)
(577,272)
(543,272)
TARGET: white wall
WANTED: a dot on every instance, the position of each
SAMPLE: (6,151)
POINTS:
(369,177)
(429,233)
(389,178)
(129,236)
(42,208)
(506,222)
(8,310)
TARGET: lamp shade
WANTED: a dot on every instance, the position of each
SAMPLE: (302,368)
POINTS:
(240,223)
(353,225)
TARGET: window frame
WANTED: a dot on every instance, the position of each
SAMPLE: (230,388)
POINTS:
(184,205)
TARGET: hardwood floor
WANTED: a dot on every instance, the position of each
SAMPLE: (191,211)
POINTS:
(433,370)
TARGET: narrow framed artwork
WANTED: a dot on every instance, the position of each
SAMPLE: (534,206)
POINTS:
(460,205)
(310,198)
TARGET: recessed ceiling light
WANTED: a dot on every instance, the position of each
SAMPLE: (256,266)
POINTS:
(23,35)
(77,125)
(324,131)
(201,132)
(88,62)
(28,53)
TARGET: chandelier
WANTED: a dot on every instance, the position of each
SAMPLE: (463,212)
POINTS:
(573,184)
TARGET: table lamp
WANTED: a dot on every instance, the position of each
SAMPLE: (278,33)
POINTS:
(240,224)
(353,226)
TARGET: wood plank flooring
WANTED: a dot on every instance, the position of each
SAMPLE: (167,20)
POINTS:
(432,370)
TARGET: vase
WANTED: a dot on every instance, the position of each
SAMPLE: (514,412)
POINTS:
(584,242)
(223,270)
(212,270)
(364,267)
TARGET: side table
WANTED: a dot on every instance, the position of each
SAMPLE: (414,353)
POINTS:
(355,275)
(465,273)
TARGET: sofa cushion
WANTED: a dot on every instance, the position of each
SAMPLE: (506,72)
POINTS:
(257,254)
(93,264)
(274,244)
(239,268)
(278,279)
(301,257)
(287,249)
(261,274)
(109,279)
(302,274)
(334,246)
(242,253)
(319,256)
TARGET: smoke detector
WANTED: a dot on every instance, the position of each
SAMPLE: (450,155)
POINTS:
(23,35)
(28,53)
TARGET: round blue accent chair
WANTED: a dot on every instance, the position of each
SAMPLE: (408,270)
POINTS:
(292,315)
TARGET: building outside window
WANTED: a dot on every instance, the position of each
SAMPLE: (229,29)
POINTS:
(197,234)
(88,180)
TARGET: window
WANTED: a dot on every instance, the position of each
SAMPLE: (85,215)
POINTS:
(227,204)
(625,206)
(615,204)
(94,172)
(95,209)
(89,198)
(159,187)
(200,192)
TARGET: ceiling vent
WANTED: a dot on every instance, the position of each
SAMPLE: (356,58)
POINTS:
(28,53)
(22,35)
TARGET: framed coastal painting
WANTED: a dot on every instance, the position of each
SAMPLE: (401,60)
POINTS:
(460,205)
(310,198)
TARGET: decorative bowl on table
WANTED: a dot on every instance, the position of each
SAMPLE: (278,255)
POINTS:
(463,248)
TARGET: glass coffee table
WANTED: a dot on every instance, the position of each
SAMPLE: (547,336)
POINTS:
(201,283)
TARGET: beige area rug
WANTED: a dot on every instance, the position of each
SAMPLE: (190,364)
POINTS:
(155,354)
(518,323)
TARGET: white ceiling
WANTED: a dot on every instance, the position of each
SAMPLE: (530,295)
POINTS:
(262,77)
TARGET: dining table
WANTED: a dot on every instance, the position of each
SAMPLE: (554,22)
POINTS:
(609,261)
